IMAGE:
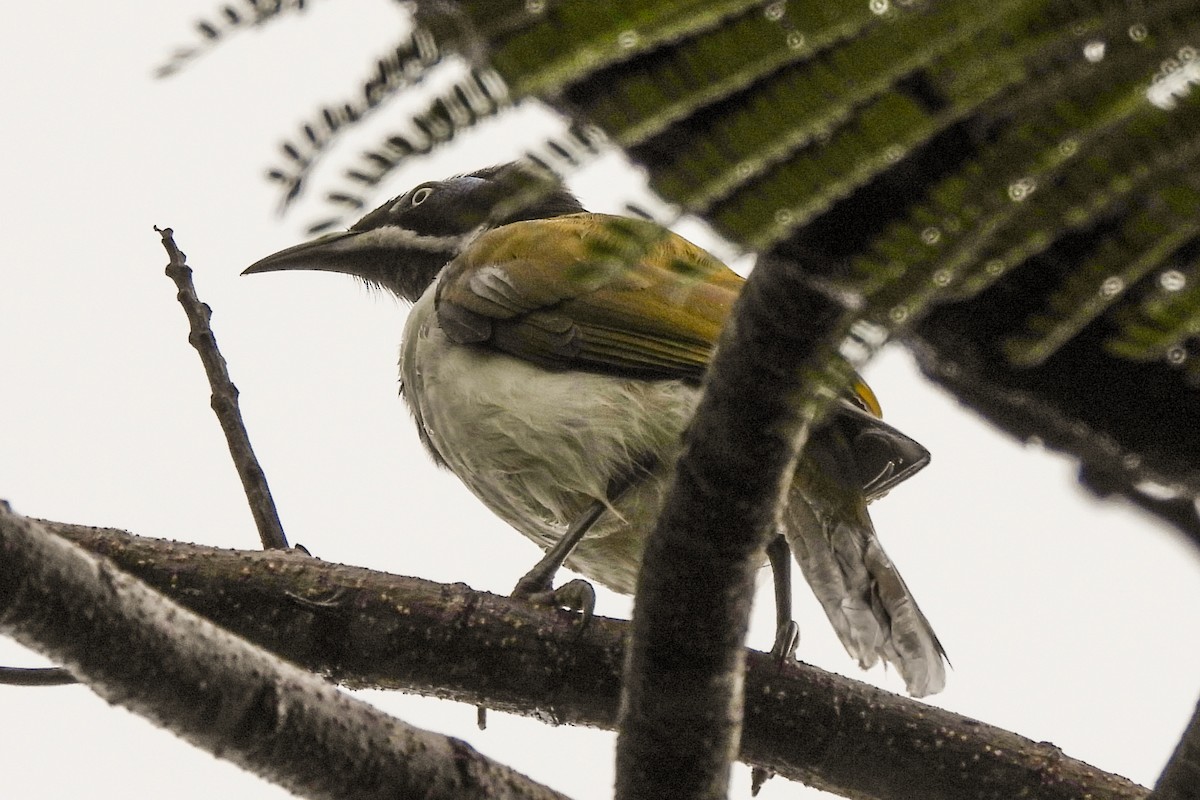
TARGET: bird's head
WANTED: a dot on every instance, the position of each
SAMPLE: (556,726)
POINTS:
(405,243)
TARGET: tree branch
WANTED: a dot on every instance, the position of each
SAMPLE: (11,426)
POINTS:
(682,707)
(218,691)
(365,628)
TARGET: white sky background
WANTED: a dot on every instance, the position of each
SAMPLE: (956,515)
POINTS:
(1068,620)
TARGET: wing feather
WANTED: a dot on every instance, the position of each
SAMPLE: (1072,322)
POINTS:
(590,291)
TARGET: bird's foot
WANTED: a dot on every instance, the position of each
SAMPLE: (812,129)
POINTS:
(787,639)
(577,595)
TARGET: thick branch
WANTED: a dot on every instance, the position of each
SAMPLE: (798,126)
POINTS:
(366,628)
(218,691)
(682,707)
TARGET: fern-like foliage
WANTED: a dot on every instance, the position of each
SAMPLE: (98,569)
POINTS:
(228,19)
(567,40)
(1164,324)
(1139,245)
(480,95)
(1062,164)
(1010,185)
(838,71)
(405,66)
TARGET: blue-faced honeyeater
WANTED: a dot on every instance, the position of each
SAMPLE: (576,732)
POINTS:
(552,359)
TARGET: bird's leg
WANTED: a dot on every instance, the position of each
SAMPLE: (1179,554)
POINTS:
(787,632)
(537,585)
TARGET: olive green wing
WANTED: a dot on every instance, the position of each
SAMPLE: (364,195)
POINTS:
(591,292)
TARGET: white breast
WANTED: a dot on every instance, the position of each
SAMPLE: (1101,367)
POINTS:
(539,446)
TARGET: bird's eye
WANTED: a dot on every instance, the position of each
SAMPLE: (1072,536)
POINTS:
(421,195)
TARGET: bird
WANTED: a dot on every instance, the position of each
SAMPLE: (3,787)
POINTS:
(551,360)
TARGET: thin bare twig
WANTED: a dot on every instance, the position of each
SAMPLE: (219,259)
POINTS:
(225,404)
(36,676)
(224,398)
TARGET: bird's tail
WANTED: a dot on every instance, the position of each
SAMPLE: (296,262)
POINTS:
(875,616)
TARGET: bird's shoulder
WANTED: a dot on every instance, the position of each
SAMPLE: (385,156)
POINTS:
(589,291)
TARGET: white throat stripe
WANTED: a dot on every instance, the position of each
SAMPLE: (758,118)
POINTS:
(393,237)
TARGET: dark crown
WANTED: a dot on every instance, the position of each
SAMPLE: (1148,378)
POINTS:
(488,198)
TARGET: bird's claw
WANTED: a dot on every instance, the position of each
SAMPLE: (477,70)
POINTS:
(787,639)
(576,595)
(331,598)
